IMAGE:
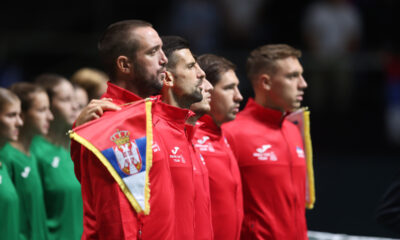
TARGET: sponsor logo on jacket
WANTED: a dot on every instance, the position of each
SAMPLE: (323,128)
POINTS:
(176,155)
(265,153)
(204,145)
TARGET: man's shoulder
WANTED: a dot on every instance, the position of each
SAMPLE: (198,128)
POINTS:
(291,127)
(242,122)
(129,111)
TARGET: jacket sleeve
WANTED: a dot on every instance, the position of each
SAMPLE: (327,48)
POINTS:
(388,211)
(107,212)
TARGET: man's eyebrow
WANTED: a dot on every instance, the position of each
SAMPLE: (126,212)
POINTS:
(294,73)
(155,48)
(230,85)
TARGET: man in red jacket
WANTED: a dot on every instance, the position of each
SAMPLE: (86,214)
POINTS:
(224,176)
(269,149)
(132,54)
(183,87)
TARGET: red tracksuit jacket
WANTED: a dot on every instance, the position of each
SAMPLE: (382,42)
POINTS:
(269,150)
(107,213)
(189,174)
(224,176)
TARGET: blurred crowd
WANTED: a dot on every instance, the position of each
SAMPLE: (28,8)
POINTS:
(34,121)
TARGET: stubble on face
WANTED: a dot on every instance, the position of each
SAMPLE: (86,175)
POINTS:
(288,85)
(147,84)
(148,63)
(226,98)
(188,79)
(202,107)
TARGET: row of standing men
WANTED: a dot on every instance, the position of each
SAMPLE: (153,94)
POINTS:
(210,177)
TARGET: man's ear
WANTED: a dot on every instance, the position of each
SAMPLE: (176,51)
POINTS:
(264,81)
(124,64)
(169,79)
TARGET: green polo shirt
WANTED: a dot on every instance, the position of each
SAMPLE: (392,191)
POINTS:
(9,205)
(62,191)
(25,176)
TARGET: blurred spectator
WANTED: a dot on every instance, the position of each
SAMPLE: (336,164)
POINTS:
(81,98)
(10,123)
(22,164)
(62,191)
(62,104)
(92,80)
(332,30)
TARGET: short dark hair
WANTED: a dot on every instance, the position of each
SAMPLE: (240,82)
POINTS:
(263,59)
(117,40)
(172,44)
(25,92)
(49,81)
(214,66)
(7,97)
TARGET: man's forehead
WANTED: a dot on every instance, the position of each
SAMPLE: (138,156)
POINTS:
(184,56)
(228,77)
(147,37)
(289,64)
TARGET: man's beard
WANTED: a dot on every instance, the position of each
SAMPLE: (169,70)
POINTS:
(148,85)
(197,96)
(186,100)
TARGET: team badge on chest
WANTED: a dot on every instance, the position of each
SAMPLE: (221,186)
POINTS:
(300,152)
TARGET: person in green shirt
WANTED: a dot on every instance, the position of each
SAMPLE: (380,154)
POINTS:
(10,122)
(62,104)
(22,165)
(62,191)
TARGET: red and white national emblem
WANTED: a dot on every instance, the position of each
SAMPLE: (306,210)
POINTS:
(126,152)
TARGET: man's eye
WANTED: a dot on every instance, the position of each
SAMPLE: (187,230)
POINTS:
(229,87)
(153,51)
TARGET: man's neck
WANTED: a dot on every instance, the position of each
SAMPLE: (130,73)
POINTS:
(193,119)
(263,101)
(131,87)
(169,98)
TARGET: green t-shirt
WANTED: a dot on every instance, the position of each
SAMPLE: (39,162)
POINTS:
(62,191)
(9,206)
(25,176)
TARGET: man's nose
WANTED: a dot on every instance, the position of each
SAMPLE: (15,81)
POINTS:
(163,59)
